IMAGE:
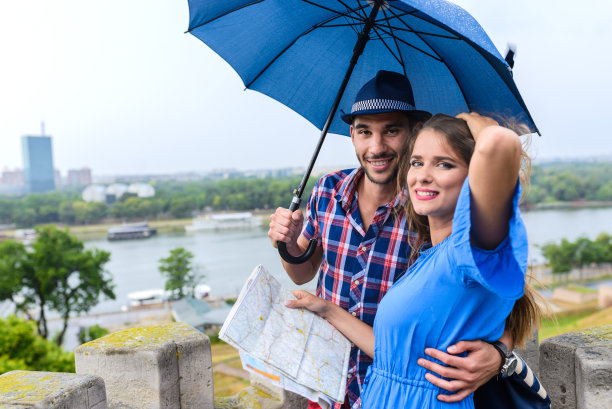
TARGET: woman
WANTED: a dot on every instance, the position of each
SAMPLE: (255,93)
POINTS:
(470,269)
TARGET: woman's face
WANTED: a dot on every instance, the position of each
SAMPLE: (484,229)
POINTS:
(435,176)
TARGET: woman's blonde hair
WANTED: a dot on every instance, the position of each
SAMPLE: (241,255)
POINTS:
(526,314)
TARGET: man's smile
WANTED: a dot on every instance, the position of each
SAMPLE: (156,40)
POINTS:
(378,163)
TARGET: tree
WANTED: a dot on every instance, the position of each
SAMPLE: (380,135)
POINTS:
(12,258)
(66,212)
(22,349)
(24,217)
(91,333)
(58,274)
(566,255)
(182,206)
(181,277)
(561,257)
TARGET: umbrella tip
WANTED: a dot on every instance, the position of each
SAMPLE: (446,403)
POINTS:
(510,54)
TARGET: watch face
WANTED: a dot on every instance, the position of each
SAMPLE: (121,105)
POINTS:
(510,366)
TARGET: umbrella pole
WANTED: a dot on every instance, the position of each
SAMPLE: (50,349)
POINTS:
(362,39)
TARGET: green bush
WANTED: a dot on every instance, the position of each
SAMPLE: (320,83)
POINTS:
(90,333)
(22,349)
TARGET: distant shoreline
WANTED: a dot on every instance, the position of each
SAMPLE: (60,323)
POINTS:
(577,204)
(100,230)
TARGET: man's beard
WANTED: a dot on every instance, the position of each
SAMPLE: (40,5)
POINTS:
(390,179)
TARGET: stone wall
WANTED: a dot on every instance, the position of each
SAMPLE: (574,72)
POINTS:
(576,368)
(160,367)
(170,366)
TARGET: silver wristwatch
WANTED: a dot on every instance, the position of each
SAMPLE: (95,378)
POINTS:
(509,360)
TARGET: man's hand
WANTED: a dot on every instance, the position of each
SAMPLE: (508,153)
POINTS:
(468,374)
(286,226)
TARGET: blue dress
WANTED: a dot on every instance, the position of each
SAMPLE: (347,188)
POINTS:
(453,292)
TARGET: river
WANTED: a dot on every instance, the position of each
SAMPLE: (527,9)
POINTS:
(229,257)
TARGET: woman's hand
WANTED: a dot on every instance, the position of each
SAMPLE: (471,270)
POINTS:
(311,302)
(477,122)
(357,331)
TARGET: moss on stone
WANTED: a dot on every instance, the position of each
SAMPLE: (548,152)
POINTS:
(142,337)
(28,387)
(594,336)
(248,398)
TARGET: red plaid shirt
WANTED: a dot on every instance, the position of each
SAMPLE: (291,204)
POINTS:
(358,266)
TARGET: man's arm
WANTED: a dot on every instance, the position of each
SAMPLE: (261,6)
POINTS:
(286,226)
(482,363)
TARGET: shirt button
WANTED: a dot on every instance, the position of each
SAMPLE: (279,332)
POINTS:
(356,282)
(354,314)
(363,249)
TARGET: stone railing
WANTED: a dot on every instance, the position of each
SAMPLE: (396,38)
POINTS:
(576,368)
(167,366)
(170,366)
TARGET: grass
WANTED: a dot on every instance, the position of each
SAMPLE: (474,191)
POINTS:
(226,385)
(574,320)
(581,289)
(562,282)
(223,352)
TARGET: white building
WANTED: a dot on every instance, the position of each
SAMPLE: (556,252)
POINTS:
(94,193)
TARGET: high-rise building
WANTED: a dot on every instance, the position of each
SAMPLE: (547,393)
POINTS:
(12,177)
(38,163)
(79,177)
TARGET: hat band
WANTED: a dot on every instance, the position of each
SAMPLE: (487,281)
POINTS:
(381,104)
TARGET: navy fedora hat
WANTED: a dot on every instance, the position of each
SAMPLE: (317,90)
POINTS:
(387,92)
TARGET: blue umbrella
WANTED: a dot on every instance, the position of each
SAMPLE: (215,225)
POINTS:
(314,55)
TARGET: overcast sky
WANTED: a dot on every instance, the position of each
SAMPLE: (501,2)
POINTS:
(122,89)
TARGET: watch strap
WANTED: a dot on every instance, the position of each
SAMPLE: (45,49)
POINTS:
(502,349)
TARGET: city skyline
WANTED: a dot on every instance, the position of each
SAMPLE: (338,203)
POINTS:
(123,90)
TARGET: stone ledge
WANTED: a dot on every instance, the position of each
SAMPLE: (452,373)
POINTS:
(23,389)
(165,366)
(573,368)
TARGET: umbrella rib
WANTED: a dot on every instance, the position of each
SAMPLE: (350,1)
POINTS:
(441,60)
(361,17)
(357,10)
(398,59)
(321,24)
(434,22)
(409,30)
(338,25)
(224,14)
(435,57)
(338,13)
(399,51)
(398,16)
(482,52)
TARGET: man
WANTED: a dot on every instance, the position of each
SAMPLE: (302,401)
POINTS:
(363,241)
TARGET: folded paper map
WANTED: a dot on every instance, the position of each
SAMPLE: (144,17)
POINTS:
(293,348)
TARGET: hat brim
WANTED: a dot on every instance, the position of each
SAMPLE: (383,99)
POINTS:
(419,115)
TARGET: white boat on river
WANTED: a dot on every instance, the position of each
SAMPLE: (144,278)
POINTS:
(158,295)
(224,221)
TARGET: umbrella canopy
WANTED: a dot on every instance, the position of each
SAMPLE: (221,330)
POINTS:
(314,56)
(298,51)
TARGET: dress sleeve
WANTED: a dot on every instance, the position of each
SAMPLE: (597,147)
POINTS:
(501,270)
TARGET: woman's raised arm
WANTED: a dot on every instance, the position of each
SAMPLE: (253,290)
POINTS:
(493,174)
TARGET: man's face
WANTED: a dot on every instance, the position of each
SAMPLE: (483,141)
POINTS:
(378,141)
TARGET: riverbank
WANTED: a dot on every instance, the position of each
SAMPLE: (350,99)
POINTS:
(100,230)
(577,204)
